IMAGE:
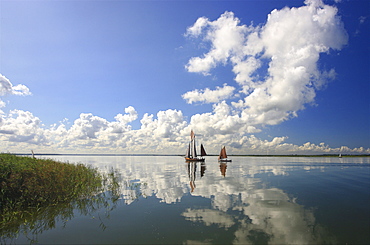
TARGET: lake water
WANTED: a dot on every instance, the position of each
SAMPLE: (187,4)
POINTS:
(251,200)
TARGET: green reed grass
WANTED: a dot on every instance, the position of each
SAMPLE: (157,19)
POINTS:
(37,193)
(30,182)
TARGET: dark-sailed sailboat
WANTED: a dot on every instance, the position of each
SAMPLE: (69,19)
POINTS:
(191,153)
(223,156)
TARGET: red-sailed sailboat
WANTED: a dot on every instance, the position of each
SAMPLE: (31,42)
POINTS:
(223,156)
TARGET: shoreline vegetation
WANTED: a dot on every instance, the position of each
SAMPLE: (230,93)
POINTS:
(27,181)
(33,192)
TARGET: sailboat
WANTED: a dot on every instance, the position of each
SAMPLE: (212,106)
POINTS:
(223,156)
(191,153)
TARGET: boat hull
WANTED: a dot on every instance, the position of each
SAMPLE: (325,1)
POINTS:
(224,160)
(194,159)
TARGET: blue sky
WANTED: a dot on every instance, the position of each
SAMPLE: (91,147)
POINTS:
(136,76)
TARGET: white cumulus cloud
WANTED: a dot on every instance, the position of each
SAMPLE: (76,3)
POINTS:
(289,44)
(226,36)
(209,96)
(7,88)
(167,132)
(21,126)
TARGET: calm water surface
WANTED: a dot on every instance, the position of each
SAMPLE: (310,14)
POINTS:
(252,200)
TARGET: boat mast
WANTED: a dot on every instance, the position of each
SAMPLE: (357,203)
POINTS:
(193,151)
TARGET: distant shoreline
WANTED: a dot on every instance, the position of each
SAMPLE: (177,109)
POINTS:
(236,155)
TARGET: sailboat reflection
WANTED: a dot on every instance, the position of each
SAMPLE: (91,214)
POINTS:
(202,169)
(192,167)
(223,167)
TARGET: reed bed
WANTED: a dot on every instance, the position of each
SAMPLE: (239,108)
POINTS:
(30,182)
(35,194)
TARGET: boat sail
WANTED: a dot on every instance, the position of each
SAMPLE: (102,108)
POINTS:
(202,151)
(223,156)
(191,152)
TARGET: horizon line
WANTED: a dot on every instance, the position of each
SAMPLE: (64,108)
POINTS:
(181,155)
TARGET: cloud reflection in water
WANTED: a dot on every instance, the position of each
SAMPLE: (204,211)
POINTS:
(239,199)
(235,199)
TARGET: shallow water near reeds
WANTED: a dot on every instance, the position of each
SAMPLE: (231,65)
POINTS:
(251,200)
